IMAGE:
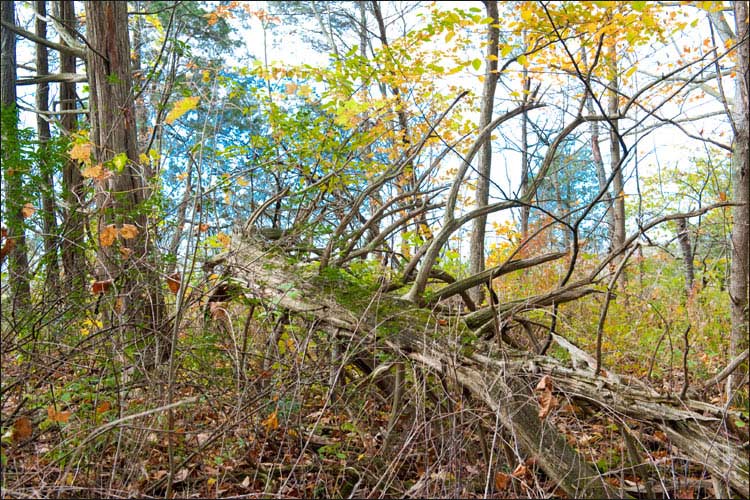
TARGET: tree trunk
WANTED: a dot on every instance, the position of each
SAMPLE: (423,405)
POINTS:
(525,210)
(683,236)
(618,186)
(121,198)
(13,168)
(476,249)
(71,247)
(738,286)
(46,169)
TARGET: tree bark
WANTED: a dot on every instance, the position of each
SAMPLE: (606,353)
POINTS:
(484,170)
(45,168)
(13,170)
(71,247)
(121,198)
(738,286)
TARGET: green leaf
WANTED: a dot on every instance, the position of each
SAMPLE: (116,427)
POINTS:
(119,161)
(476,64)
(638,6)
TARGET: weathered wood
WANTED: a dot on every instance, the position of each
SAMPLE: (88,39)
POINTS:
(502,382)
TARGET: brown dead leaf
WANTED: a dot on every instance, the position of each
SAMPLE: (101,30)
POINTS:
(22,429)
(547,402)
(8,247)
(544,384)
(119,305)
(104,407)
(173,282)
(58,416)
(126,252)
(203,228)
(107,235)
(218,311)
(101,286)
(502,481)
(520,471)
(128,231)
(27,210)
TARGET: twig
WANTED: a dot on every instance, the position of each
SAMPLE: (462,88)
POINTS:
(732,366)
(686,382)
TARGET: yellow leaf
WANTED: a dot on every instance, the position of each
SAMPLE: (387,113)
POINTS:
(81,152)
(107,235)
(181,107)
(128,231)
(28,210)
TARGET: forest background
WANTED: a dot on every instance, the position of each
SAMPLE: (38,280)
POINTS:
(375,248)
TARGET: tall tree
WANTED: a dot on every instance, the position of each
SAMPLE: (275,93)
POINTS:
(13,170)
(45,164)
(476,255)
(121,196)
(71,249)
(738,287)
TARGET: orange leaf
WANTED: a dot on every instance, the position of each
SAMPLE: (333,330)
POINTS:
(81,152)
(173,282)
(97,172)
(272,422)
(119,305)
(722,196)
(28,210)
(22,429)
(107,235)
(203,228)
(58,416)
(502,480)
(8,247)
(128,231)
(105,406)
(101,286)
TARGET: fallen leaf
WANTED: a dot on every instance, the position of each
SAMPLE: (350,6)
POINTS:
(544,384)
(520,471)
(58,416)
(101,286)
(128,231)
(502,480)
(22,429)
(173,282)
(272,422)
(547,402)
(245,482)
(107,235)
(105,406)
(28,210)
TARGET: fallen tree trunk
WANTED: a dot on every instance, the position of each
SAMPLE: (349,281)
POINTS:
(501,380)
